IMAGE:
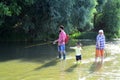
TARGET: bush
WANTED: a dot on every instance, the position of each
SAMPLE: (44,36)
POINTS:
(75,35)
(88,35)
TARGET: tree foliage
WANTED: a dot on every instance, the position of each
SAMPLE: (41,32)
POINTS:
(39,19)
(11,13)
(83,13)
(98,14)
(108,17)
(111,18)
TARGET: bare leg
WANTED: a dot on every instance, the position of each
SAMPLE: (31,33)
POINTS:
(59,54)
(96,56)
(96,59)
(64,55)
(102,58)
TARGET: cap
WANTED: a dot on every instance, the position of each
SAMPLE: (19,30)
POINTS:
(101,31)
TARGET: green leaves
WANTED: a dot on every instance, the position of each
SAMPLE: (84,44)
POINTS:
(44,16)
(4,10)
(83,14)
(15,9)
(111,17)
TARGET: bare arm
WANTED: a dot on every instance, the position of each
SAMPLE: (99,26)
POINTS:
(54,42)
(72,47)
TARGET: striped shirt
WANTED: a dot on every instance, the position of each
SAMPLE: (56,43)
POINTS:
(100,41)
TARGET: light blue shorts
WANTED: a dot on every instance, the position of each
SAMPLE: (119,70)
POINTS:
(61,48)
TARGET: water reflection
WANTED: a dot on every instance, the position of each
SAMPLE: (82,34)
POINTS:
(13,50)
(70,69)
(48,64)
(95,67)
(62,69)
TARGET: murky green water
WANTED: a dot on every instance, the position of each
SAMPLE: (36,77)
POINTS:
(25,51)
(37,61)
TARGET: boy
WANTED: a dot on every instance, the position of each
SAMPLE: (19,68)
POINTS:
(77,49)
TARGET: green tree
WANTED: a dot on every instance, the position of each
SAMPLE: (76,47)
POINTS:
(60,13)
(40,18)
(11,12)
(98,14)
(83,12)
(111,18)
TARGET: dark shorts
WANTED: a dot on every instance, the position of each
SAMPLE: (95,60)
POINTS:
(78,57)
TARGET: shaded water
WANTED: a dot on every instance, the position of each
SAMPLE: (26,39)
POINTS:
(27,51)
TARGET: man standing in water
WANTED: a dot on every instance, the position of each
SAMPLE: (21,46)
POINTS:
(100,46)
(61,42)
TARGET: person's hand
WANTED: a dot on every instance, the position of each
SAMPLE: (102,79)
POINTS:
(54,42)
